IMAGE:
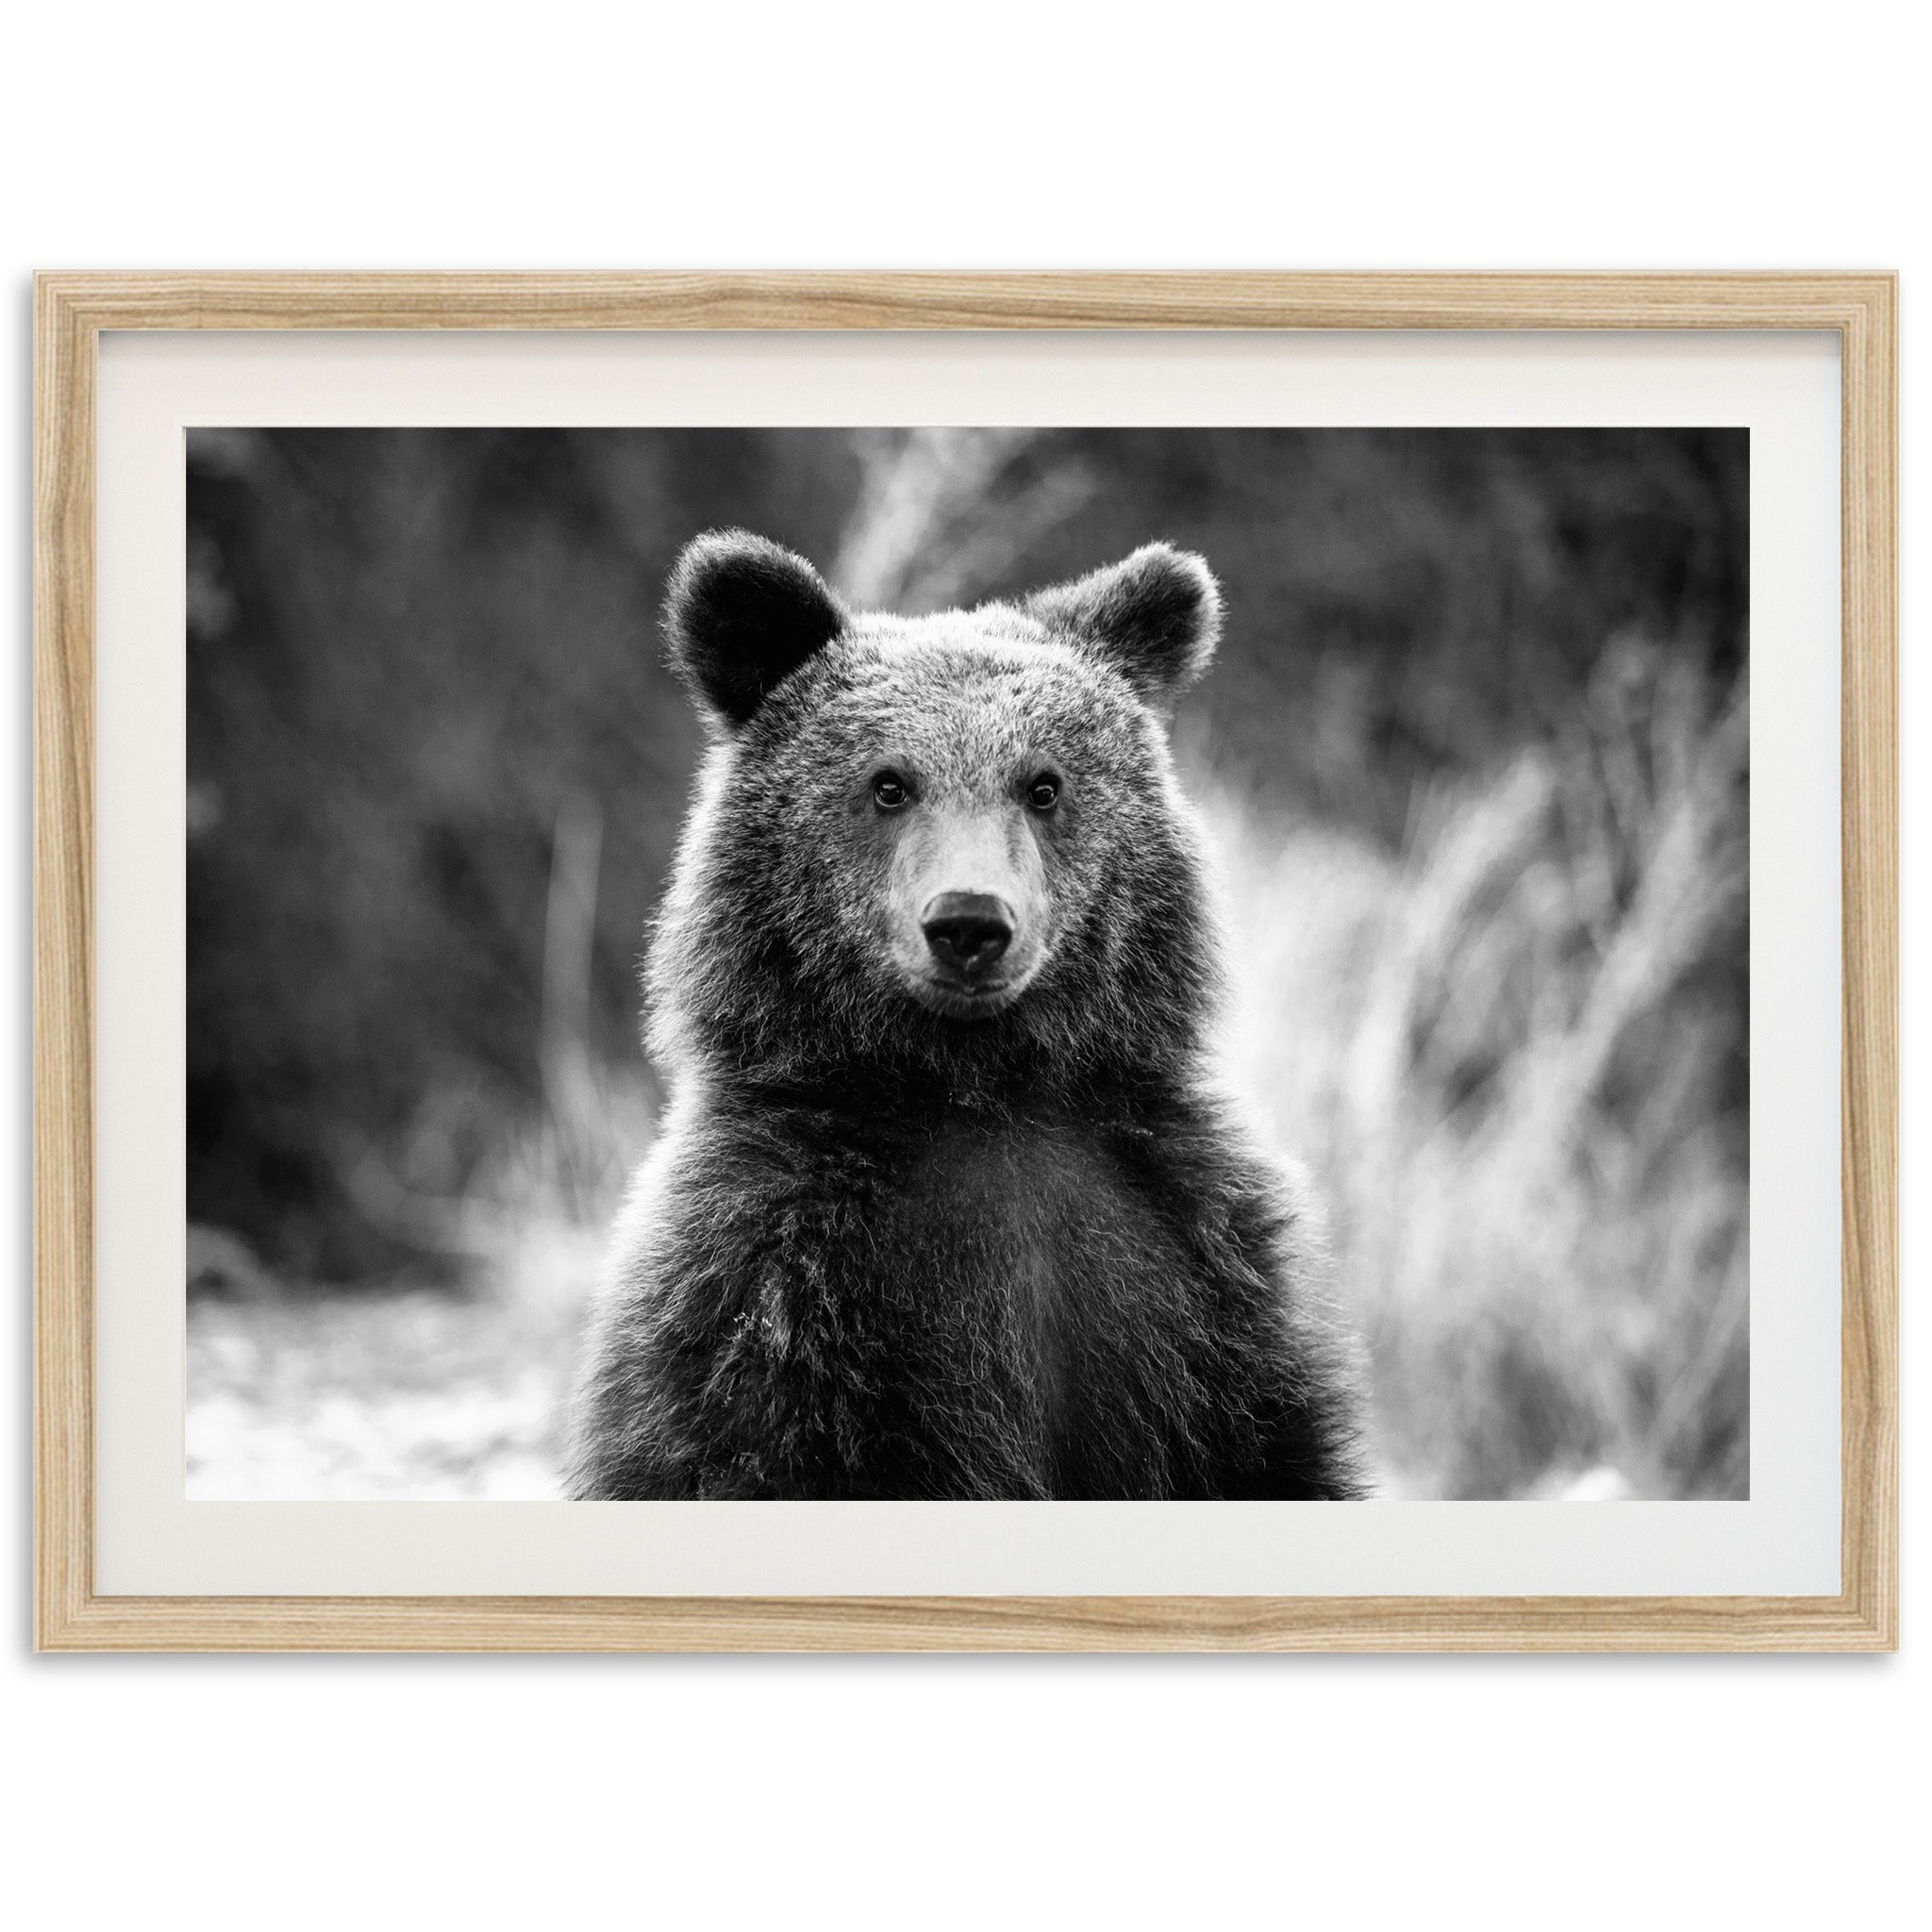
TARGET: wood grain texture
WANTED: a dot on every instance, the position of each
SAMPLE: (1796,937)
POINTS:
(70,313)
(1869,1083)
(968,1623)
(63,961)
(834,301)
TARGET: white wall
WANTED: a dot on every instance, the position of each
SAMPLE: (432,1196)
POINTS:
(381,1792)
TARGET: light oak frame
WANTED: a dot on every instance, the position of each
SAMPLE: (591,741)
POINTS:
(71,309)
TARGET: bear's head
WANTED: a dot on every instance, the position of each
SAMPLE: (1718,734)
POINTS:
(947,846)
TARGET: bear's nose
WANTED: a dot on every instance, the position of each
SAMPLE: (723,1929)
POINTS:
(967,931)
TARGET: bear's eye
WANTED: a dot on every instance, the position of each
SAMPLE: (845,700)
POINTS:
(889,791)
(1045,792)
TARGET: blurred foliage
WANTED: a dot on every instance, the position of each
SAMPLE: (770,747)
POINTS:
(1474,748)
(1516,1057)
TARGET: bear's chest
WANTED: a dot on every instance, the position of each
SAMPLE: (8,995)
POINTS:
(1039,1266)
(973,1310)
(1017,1212)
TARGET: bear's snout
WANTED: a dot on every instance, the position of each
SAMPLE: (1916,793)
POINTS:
(967,932)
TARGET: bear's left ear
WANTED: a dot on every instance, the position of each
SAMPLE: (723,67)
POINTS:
(740,615)
(1155,617)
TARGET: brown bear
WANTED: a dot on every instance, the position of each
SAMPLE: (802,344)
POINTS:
(946,1203)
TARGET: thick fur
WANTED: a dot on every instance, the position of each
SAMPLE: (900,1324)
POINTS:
(883,1251)
(1156,617)
(740,615)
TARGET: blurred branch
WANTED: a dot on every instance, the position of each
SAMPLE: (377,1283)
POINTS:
(569,932)
(930,530)
(1693,875)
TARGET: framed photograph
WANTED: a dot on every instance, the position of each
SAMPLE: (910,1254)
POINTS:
(873,962)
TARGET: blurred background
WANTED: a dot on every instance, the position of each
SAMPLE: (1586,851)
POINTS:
(1474,756)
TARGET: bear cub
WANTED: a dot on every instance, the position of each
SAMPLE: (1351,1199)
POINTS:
(946,1203)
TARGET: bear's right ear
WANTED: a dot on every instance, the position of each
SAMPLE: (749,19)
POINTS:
(1155,616)
(741,614)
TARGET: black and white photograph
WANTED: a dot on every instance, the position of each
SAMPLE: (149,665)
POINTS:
(968,963)
(967,968)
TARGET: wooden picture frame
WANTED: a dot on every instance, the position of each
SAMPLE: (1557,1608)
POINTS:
(73,310)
